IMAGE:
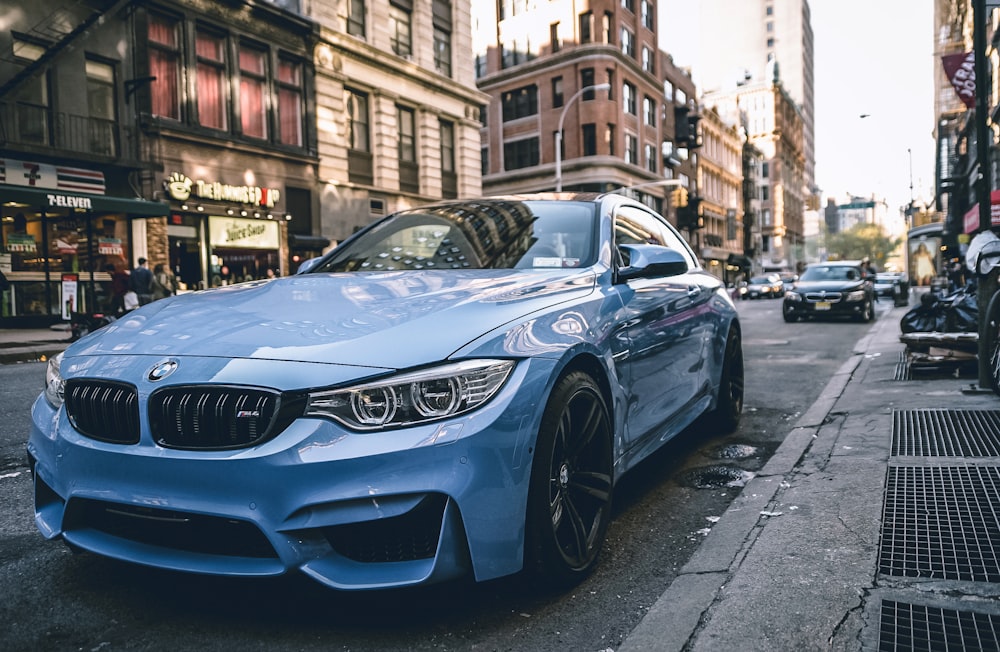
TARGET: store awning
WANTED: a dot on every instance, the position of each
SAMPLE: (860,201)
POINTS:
(309,242)
(739,260)
(46,198)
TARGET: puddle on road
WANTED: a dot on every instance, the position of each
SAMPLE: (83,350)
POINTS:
(735,452)
(716,476)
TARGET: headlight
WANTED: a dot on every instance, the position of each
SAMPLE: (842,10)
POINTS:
(857,295)
(54,383)
(793,296)
(413,398)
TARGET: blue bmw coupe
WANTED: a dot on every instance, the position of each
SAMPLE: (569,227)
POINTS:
(455,390)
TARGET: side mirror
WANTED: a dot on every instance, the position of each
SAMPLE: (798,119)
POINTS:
(650,261)
(307,265)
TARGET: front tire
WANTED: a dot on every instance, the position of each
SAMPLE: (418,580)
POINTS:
(993,341)
(725,418)
(789,316)
(569,498)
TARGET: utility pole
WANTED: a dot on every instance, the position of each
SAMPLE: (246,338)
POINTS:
(987,284)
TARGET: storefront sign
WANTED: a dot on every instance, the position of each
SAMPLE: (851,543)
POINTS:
(182,188)
(242,233)
(69,288)
(971,221)
(70,201)
(19,243)
(110,247)
(45,175)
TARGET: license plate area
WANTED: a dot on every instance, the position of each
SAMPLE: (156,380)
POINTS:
(822,305)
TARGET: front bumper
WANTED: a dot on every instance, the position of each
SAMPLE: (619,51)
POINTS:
(350,510)
(810,308)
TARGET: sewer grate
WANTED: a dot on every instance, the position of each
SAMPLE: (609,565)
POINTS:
(941,522)
(949,433)
(905,626)
(903,367)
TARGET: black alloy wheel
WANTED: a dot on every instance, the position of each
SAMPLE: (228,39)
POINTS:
(569,500)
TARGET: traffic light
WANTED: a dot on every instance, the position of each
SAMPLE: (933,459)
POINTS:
(679,197)
(689,217)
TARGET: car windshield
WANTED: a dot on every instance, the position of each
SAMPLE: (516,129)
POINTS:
(830,273)
(503,234)
(761,280)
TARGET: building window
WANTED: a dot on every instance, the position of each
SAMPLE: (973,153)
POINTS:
(628,99)
(520,103)
(164,67)
(253,107)
(611,83)
(557,92)
(101,108)
(356,17)
(628,43)
(554,37)
(399,30)
(212,105)
(606,29)
(290,102)
(356,120)
(441,17)
(648,60)
(651,157)
(409,172)
(770,42)
(765,168)
(649,110)
(589,139)
(442,51)
(631,149)
(629,4)
(647,14)
(520,153)
(484,161)
(587,79)
(586,27)
(360,168)
(449,178)
(609,140)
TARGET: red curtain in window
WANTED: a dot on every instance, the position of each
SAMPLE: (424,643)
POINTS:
(252,106)
(163,66)
(290,103)
(211,94)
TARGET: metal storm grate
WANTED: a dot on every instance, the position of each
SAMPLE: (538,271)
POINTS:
(952,433)
(905,626)
(903,371)
(941,522)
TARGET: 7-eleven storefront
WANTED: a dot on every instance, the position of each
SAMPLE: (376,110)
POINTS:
(60,238)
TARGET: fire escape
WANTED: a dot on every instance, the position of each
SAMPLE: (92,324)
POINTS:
(28,121)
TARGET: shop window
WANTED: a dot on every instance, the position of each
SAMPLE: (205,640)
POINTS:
(253,84)
(211,80)
(290,102)
(164,67)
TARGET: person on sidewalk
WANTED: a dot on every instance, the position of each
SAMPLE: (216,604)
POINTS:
(119,286)
(164,283)
(869,271)
(141,282)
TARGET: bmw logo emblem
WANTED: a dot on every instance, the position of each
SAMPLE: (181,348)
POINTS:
(162,370)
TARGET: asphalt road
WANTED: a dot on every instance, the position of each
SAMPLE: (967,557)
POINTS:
(57,600)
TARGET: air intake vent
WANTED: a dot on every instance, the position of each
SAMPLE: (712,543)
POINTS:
(103,409)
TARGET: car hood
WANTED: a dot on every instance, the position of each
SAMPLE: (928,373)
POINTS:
(387,320)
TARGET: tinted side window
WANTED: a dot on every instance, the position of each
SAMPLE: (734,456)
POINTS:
(636,226)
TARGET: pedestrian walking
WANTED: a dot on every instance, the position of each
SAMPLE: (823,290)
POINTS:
(164,282)
(119,286)
(141,282)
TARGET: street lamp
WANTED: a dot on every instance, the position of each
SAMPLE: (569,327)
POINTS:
(562,116)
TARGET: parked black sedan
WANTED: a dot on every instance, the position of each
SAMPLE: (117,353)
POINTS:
(828,290)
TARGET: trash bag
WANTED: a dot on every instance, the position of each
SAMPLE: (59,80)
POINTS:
(956,312)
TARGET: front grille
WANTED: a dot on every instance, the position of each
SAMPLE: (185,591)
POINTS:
(214,417)
(406,537)
(105,410)
(210,535)
(832,297)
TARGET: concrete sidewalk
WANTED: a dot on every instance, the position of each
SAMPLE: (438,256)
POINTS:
(825,550)
(32,344)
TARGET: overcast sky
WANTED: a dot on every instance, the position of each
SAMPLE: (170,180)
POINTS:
(872,57)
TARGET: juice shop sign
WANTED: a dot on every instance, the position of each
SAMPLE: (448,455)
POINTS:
(182,188)
(244,233)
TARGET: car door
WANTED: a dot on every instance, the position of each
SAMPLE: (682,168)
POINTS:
(668,324)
